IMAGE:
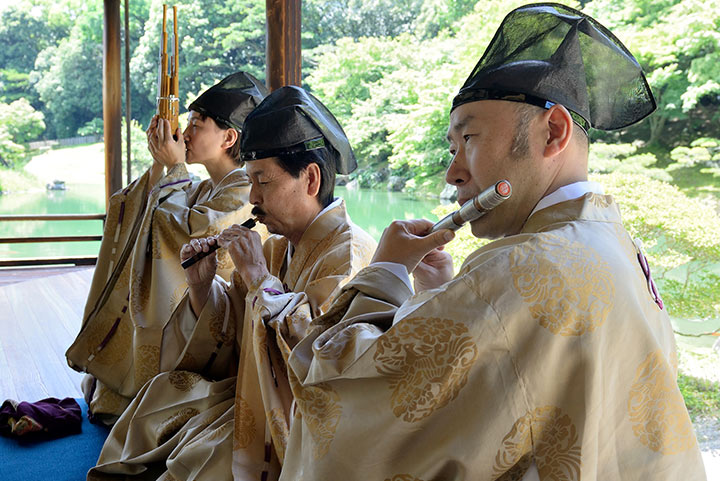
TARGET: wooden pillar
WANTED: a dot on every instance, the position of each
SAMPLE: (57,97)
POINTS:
(283,53)
(112,98)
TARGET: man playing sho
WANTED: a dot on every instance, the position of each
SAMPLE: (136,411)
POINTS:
(237,427)
(550,355)
(138,280)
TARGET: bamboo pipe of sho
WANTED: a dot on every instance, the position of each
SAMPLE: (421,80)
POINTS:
(476,207)
(250,223)
(168,102)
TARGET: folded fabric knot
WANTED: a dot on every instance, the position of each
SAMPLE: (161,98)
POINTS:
(48,418)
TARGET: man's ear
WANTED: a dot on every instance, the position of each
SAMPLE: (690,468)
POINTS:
(231,136)
(559,130)
(314,179)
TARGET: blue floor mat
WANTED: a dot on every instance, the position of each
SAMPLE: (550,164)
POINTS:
(63,459)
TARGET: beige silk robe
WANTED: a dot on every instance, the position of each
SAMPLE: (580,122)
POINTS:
(547,349)
(138,280)
(237,428)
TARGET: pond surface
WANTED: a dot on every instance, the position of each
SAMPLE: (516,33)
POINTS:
(372,210)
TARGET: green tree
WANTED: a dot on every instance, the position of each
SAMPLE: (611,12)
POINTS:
(19,124)
(70,84)
(26,28)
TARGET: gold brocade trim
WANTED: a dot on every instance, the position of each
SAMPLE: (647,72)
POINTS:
(551,436)
(569,288)
(184,380)
(168,428)
(245,429)
(403,477)
(427,362)
(656,408)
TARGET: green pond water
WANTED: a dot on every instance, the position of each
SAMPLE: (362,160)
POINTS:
(372,210)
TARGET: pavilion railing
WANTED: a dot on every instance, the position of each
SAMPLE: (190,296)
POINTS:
(46,261)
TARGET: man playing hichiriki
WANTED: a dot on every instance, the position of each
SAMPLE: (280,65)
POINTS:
(236,427)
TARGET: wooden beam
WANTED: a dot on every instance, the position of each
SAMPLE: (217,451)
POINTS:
(112,98)
(283,52)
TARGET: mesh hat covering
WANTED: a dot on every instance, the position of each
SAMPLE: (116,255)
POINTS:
(547,53)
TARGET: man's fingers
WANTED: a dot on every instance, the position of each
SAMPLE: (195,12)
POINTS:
(167,133)
(439,238)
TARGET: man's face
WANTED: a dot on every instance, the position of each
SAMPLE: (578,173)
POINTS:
(203,139)
(481,140)
(278,197)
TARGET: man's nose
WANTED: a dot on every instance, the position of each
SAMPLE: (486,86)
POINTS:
(255,198)
(456,173)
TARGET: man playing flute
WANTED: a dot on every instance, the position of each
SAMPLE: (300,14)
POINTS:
(550,356)
(138,280)
(216,428)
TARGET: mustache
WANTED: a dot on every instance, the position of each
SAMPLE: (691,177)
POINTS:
(256,211)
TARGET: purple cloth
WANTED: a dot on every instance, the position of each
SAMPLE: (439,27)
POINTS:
(49,418)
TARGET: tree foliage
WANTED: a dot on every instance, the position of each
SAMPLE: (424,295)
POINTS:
(19,124)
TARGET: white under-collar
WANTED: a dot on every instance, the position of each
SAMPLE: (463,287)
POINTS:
(568,192)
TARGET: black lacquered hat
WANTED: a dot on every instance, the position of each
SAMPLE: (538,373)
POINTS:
(231,100)
(291,120)
(547,53)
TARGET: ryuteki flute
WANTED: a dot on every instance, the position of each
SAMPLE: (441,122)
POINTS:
(476,207)
(250,223)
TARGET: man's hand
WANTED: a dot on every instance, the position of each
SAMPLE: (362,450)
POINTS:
(199,276)
(163,148)
(245,248)
(435,269)
(407,242)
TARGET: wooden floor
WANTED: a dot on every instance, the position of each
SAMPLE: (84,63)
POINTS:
(40,316)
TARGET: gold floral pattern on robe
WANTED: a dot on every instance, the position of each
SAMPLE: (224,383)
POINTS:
(139,294)
(147,362)
(171,425)
(568,287)
(245,429)
(184,380)
(552,436)
(278,430)
(656,408)
(321,412)
(427,363)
